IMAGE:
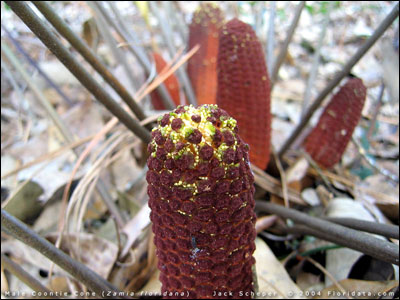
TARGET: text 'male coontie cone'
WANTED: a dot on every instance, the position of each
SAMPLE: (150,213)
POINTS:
(244,87)
(171,84)
(200,189)
(329,138)
(202,67)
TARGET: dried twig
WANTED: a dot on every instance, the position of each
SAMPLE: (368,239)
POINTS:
(283,178)
(65,132)
(265,222)
(373,164)
(271,37)
(137,51)
(48,156)
(325,271)
(339,76)
(282,54)
(329,175)
(36,66)
(375,114)
(22,275)
(91,57)
(321,174)
(164,75)
(274,186)
(52,42)
(168,38)
(117,52)
(20,231)
(316,60)
(386,230)
(335,233)
(38,93)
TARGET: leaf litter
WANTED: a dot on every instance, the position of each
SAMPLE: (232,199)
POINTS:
(125,255)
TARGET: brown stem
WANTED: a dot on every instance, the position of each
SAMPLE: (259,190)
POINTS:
(20,231)
(42,31)
(88,54)
(22,275)
(289,36)
(335,233)
(137,51)
(386,230)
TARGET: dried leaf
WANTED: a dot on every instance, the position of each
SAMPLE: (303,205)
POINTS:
(153,285)
(96,253)
(340,261)
(272,276)
(25,205)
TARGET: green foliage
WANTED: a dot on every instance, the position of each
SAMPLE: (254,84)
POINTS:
(321,7)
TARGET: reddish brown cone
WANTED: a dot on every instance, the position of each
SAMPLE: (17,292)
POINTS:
(244,89)
(200,189)
(328,140)
(171,83)
(202,67)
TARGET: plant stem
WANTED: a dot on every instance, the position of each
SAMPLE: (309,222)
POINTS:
(118,53)
(65,132)
(35,65)
(20,231)
(271,37)
(283,178)
(386,230)
(282,54)
(180,22)
(38,93)
(22,275)
(372,163)
(42,31)
(274,186)
(168,39)
(321,174)
(320,249)
(339,76)
(316,60)
(375,114)
(60,25)
(337,234)
(137,51)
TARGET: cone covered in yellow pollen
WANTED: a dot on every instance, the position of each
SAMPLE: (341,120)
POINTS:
(201,189)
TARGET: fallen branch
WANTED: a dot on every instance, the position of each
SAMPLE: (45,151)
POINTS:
(373,164)
(283,53)
(332,232)
(20,231)
(386,230)
(274,186)
(22,275)
(62,27)
(44,33)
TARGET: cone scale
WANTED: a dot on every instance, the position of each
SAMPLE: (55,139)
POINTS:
(200,191)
